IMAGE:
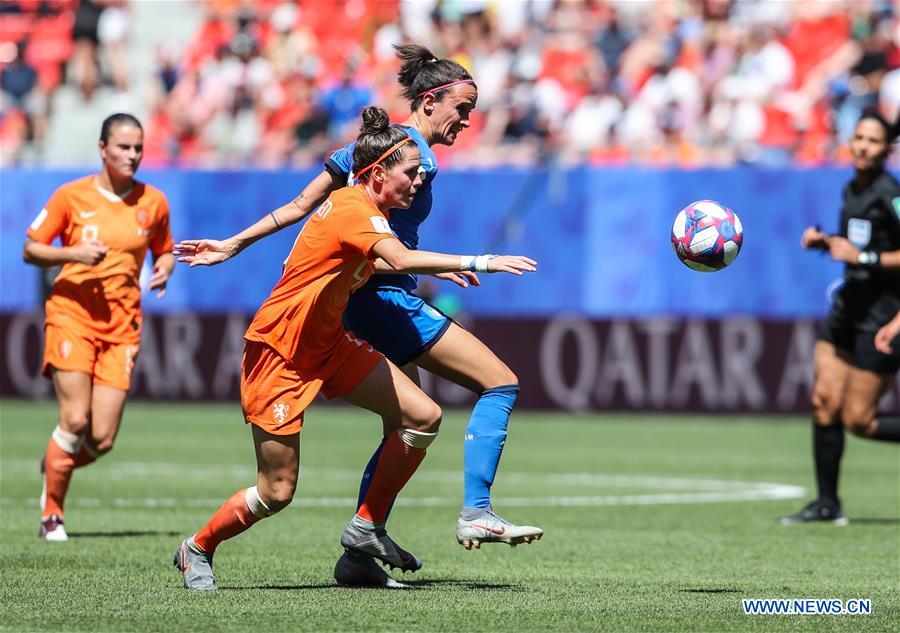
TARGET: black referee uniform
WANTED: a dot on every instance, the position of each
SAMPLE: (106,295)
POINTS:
(870,296)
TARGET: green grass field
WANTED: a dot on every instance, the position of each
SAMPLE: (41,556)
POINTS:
(651,524)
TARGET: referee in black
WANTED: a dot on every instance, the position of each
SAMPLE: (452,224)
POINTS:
(851,375)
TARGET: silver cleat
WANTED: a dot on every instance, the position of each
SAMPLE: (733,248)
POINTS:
(371,538)
(195,566)
(490,528)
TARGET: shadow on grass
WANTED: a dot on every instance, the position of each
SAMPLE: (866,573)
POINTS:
(461,584)
(410,585)
(875,521)
(122,534)
(710,590)
(280,587)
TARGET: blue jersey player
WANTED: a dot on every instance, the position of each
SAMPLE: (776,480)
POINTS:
(405,328)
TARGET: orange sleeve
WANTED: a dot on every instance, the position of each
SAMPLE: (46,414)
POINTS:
(161,240)
(52,220)
(363,228)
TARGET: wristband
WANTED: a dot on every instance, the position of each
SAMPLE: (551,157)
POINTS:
(475,264)
(869,259)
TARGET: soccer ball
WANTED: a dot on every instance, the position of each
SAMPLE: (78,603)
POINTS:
(707,236)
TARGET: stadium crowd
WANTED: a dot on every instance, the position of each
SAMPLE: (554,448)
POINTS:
(272,83)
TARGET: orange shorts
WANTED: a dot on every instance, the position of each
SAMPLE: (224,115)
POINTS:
(274,394)
(72,349)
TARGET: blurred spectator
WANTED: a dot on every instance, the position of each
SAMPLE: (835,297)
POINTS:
(23,115)
(100,26)
(687,82)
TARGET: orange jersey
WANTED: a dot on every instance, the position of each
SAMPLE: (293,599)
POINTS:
(301,319)
(103,300)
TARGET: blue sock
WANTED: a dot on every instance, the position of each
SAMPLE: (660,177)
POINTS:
(485,437)
(368,473)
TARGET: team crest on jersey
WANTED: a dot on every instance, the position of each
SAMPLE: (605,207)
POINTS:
(280,412)
(142,216)
(859,232)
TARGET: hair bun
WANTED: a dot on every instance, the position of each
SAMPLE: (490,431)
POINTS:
(375,120)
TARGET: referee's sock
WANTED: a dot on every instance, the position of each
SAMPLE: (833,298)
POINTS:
(828,447)
(485,436)
(887,429)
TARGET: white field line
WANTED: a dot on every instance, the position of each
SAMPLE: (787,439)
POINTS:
(692,490)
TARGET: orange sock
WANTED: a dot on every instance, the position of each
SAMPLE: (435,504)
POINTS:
(230,520)
(86,455)
(396,464)
(58,469)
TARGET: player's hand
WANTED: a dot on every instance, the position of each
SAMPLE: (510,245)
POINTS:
(814,238)
(512,264)
(90,252)
(463,279)
(203,252)
(160,277)
(886,334)
(842,250)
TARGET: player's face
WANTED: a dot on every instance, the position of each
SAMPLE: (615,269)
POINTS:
(403,179)
(123,151)
(451,114)
(868,147)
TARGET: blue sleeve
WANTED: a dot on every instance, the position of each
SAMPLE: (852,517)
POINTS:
(340,163)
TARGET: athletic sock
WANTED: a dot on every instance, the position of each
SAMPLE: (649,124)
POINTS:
(399,458)
(59,462)
(368,473)
(485,436)
(828,447)
(238,514)
(888,428)
(86,455)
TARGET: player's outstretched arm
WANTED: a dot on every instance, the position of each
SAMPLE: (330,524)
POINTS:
(886,334)
(90,252)
(207,252)
(395,257)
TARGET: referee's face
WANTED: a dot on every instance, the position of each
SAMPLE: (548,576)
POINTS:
(868,147)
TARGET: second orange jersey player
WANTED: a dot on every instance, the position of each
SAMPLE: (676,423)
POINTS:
(106,223)
(296,347)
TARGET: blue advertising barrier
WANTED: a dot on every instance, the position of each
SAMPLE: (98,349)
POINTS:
(601,237)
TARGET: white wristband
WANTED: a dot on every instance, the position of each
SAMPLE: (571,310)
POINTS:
(475,263)
(481,263)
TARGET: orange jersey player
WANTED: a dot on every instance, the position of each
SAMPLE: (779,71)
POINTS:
(106,223)
(296,347)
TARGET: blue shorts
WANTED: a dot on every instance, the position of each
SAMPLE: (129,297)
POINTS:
(397,323)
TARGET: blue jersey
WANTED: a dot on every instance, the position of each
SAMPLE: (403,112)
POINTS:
(404,222)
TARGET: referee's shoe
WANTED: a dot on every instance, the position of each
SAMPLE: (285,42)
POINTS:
(817,511)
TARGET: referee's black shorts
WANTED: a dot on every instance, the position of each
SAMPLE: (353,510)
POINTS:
(855,318)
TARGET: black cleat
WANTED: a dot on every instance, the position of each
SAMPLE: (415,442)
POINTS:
(816,512)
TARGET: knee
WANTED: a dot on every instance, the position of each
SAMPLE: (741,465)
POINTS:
(100,447)
(426,418)
(857,422)
(278,492)
(825,411)
(75,422)
(503,377)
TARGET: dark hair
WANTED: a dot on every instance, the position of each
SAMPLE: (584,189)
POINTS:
(422,71)
(120,118)
(890,131)
(376,136)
